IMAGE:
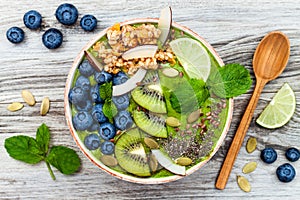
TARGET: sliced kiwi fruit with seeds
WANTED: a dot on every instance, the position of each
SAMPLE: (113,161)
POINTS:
(151,78)
(150,97)
(130,153)
(150,123)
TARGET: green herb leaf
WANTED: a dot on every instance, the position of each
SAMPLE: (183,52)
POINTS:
(43,138)
(105,91)
(109,110)
(230,81)
(24,148)
(64,159)
(200,89)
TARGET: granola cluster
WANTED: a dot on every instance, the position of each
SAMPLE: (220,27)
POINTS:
(125,38)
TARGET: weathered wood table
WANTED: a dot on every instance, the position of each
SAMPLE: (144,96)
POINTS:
(233,28)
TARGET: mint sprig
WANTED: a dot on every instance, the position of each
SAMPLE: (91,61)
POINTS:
(34,150)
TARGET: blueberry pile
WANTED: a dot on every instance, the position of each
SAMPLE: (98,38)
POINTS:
(66,14)
(285,172)
(89,116)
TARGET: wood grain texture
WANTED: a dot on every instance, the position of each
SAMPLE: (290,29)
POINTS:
(234,28)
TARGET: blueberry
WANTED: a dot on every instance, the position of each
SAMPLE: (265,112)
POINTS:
(84,106)
(86,69)
(66,14)
(88,22)
(268,155)
(120,78)
(121,102)
(95,126)
(107,147)
(92,141)
(95,95)
(123,120)
(286,173)
(83,82)
(98,114)
(52,38)
(15,35)
(292,154)
(77,95)
(32,19)
(102,77)
(82,121)
(107,131)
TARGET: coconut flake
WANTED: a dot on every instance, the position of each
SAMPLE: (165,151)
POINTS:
(167,162)
(144,51)
(93,61)
(130,84)
(164,24)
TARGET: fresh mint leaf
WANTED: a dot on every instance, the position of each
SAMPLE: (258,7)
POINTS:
(200,89)
(105,90)
(43,138)
(64,159)
(109,110)
(230,81)
(24,148)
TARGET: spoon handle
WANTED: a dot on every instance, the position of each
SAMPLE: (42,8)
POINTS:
(239,136)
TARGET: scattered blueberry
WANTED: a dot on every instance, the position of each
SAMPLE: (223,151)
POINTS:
(88,22)
(95,95)
(98,114)
(123,120)
(107,131)
(268,155)
(52,38)
(32,19)
(82,121)
(15,35)
(292,154)
(120,78)
(86,105)
(83,82)
(86,69)
(107,147)
(77,95)
(286,173)
(92,141)
(121,102)
(102,77)
(66,14)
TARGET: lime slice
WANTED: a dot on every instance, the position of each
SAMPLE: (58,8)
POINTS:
(280,110)
(192,56)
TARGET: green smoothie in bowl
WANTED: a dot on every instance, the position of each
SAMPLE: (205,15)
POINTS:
(139,104)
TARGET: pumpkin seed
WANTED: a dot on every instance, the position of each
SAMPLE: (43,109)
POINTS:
(28,97)
(183,161)
(153,163)
(194,116)
(243,183)
(249,167)
(45,106)
(151,143)
(108,160)
(251,144)
(15,106)
(173,122)
(170,72)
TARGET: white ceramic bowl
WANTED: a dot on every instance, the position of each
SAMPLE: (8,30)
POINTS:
(68,112)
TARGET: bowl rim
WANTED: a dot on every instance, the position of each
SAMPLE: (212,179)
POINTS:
(96,161)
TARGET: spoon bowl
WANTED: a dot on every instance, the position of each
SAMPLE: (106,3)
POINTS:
(271,56)
(270,59)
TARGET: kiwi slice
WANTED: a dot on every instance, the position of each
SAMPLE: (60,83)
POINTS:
(150,97)
(130,153)
(150,123)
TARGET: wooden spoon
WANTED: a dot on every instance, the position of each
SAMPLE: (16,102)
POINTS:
(270,59)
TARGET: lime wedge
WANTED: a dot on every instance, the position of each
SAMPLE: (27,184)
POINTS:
(280,110)
(192,56)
